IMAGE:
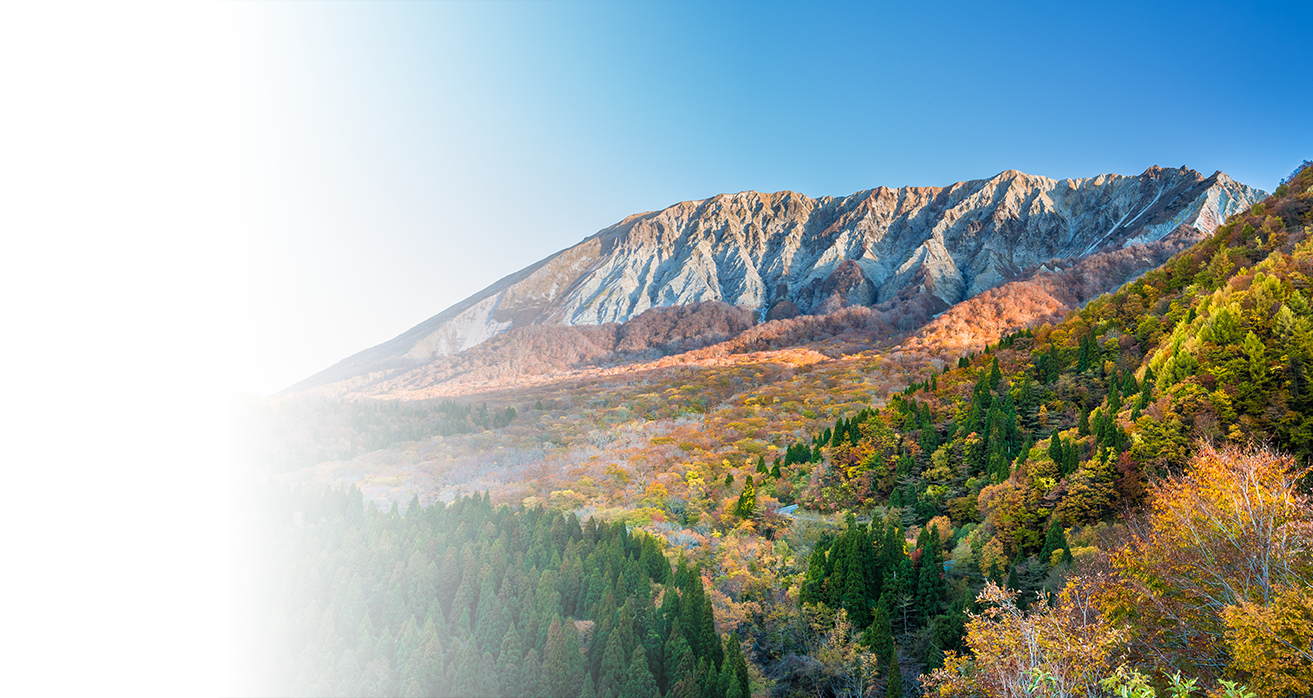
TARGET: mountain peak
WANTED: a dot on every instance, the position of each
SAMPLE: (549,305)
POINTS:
(934,246)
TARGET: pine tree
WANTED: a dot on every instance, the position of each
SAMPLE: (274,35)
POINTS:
(487,675)
(676,650)
(1056,539)
(729,684)
(587,691)
(352,609)
(894,687)
(611,674)
(638,680)
(385,647)
(468,679)
(1070,458)
(746,507)
(431,670)
(1012,581)
(556,679)
(737,665)
(485,625)
(531,676)
(509,661)
(930,583)
(880,635)
(407,642)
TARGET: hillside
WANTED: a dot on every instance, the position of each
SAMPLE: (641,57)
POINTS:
(784,254)
(939,491)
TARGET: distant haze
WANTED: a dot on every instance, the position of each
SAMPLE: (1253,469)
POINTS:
(387,159)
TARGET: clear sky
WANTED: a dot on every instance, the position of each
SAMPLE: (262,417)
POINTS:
(389,159)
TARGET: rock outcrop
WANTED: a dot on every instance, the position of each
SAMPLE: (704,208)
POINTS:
(784,253)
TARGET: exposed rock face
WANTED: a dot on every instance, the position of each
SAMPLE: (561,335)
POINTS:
(786,253)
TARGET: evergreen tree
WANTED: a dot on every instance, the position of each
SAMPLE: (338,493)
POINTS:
(746,507)
(509,661)
(467,681)
(1012,582)
(407,642)
(737,665)
(1056,539)
(638,680)
(729,685)
(531,676)
(587,691)
(930,584)
(880,635)
(708,679)
(487,676)
(556,679)
(813,582)
(676,650)
(894,686)
(1070,458)
(431,670)
(484,627)
(611,675)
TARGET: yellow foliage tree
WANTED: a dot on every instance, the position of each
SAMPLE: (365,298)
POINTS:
(1214,553)
(1058,652)
(1272,645)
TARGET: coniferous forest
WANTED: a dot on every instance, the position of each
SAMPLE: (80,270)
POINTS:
(471,600)
(1117,504)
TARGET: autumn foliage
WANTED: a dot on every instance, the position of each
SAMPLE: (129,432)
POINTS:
(1039,442)
(1213,582)
(1225,550)
(1064,650)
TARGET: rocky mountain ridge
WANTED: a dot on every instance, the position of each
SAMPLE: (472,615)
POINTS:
(783,254)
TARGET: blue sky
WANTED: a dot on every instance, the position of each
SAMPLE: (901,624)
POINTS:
(390,159)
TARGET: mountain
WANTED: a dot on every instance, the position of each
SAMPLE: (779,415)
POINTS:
(1121,455)
(784,254)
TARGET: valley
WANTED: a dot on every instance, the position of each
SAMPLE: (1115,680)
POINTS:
(946,458)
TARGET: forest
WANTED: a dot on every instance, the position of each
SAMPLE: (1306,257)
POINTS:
(1112,504)
(472,600)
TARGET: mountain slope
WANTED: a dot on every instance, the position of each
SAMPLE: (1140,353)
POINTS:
(785,253)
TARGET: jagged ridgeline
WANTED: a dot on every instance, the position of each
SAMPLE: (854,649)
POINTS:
(911,251)
(285,434)
(469,599)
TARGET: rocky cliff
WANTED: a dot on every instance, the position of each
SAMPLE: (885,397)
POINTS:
(783,253)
